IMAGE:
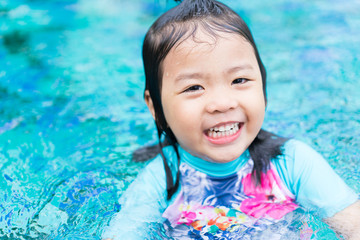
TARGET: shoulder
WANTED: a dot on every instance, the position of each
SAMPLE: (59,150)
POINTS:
(303,161)
(143,201)
(297,159)
(294,149)
(151,179)
(149,186)
(156,165)
(149,182)
(299,164)
(312,180)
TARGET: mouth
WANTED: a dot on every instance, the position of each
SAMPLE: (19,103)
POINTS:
(224,133)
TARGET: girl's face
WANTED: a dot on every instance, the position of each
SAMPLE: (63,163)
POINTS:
(212,96)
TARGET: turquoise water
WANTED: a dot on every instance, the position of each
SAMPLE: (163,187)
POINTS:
(72,112)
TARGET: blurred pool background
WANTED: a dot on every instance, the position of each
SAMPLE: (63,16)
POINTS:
(72,112)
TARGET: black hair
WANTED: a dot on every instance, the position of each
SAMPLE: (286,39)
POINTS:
(169,30)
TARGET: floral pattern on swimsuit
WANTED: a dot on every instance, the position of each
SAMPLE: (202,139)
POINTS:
(218,205)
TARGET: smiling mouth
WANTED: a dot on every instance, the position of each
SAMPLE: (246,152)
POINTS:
(224,130)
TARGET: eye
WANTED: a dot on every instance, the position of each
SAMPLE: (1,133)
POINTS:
(194,88)
(240,81)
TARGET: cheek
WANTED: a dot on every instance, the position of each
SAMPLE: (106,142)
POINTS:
(180,115)
(183,119)
(257,109)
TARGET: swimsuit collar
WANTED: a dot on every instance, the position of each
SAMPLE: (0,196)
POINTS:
(214,169)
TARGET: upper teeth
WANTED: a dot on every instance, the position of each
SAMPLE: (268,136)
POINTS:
(224,130)
(226,127)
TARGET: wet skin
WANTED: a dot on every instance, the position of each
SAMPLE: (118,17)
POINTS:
(212,95)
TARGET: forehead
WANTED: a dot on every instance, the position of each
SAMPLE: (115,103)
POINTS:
(203,43)
(204,40)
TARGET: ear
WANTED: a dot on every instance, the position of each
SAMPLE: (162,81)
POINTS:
(149,103)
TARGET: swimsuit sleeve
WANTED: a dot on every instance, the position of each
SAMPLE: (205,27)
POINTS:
(141,204)
(311,179)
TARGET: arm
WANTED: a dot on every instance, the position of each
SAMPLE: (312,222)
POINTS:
(318,188)
(141,204)
(347,222)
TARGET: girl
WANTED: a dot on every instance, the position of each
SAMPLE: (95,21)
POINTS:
(221,175)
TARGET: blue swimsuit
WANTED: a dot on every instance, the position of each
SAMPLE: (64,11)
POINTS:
(220,200)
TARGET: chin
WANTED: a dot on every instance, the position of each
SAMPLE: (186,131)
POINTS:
(223,158)
(229,155)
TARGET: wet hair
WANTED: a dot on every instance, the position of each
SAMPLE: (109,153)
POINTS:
(168,31)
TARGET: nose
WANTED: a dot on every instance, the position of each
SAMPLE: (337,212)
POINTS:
(221,100)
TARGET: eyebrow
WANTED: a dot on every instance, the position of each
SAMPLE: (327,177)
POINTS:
(184,76)
(239,68)
(197,75)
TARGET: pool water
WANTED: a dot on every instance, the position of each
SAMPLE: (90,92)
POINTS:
(72,112)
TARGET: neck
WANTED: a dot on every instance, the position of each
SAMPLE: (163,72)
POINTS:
(212,168)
